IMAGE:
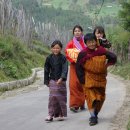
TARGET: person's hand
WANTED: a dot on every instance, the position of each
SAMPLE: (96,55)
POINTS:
(59,81)
(106,61)
(48,85)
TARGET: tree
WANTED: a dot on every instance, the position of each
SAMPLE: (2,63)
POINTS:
(124,14)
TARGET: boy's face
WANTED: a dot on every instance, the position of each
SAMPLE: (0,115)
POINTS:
(98,34)
(56,49)
(91,44)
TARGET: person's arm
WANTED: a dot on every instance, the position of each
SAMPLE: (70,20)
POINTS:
(69,46)
(79,69)
(105,43)
(64,68)
(112,58)
(46,71)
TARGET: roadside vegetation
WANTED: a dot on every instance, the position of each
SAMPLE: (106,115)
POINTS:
(16,60)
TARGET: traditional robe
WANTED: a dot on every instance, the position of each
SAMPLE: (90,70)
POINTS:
(91,68)
(56,67)
(76,91)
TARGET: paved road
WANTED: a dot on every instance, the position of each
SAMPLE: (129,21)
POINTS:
(27,111)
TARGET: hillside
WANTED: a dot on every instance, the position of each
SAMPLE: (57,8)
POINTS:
(68,13)
(64,4)
(16,60)
(86,6)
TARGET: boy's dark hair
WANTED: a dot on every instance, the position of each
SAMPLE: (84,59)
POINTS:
(56,42)
(100,30)
(79,27)
(89,37)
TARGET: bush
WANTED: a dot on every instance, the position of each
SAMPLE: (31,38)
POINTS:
(16,60)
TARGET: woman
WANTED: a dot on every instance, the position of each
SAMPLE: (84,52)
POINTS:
(99,32)
(72,50)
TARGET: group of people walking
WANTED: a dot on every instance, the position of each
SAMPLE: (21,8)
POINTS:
(89,57)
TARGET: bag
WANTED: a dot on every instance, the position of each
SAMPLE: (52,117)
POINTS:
(73,54)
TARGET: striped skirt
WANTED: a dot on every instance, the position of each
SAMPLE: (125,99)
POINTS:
(57,99)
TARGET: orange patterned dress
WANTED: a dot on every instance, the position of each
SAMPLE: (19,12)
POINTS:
(95,80)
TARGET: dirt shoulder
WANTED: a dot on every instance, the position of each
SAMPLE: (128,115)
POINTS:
(121,119)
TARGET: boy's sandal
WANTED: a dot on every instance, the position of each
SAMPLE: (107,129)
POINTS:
(93,121)
(91,118)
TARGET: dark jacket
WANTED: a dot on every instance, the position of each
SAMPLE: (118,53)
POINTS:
(55,67)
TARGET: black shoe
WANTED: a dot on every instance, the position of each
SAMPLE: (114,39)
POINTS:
(74,109)
(96,115)
(82,108)
(91,118)
(93,121)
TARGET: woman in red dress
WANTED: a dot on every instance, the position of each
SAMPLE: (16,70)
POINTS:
(74,46)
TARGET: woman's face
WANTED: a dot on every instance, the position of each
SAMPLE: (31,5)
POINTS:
(91,44)
(77,33)
(98,34)
(56,49)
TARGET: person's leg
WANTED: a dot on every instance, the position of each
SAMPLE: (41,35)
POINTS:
(90,98)
(93,119)
(62,100)
(77,98)
(50,110)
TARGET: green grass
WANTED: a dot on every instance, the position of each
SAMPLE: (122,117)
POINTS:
(122,70)
(110,10)
(57,3)
(128,126)
(66,4)
(105,11)
(69,5)
(16,60)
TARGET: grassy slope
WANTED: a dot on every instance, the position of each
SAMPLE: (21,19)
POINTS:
(122,70)
(128,127)
(66,5)
(107,10)
(16,61)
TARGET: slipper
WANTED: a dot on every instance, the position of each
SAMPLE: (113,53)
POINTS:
(49,119)
(61,118)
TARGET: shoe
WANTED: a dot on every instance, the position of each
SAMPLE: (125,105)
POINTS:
(93,121)
(91,118)
(49,119)
(60,118)
(73,109)
(82,108)
(96,115)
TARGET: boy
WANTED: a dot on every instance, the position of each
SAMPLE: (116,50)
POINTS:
(91,69)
